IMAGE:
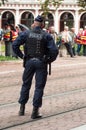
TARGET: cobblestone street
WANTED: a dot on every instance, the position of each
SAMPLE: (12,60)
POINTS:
(64,101)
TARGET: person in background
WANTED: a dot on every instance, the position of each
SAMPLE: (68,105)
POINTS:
(14,35)
(83,37)
(78,41)
(40,50)
(6,39)
(1,39)
(73,35)
(66,40)
(53,33)
(1,34)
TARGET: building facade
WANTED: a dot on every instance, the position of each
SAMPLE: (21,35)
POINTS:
(25,11)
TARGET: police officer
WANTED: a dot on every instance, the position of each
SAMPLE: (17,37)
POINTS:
(39,50)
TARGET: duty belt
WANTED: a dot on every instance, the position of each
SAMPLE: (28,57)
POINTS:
(34,58)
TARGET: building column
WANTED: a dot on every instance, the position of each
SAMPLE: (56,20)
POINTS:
(56,21)
(17,17)
(36,13)
(76,26)
(36,10)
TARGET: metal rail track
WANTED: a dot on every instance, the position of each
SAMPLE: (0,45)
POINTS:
(47,96)
(48,116)
(53,78)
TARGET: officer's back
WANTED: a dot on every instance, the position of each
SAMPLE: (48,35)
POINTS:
(36,40)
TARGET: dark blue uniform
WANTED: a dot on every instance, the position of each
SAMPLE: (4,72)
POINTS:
(37,58)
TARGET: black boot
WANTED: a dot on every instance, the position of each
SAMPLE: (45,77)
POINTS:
(35,113)
(22,110)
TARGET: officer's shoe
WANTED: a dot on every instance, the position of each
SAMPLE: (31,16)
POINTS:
(22,110)
(35,113)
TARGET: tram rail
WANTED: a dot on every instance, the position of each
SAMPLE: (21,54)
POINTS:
(47,96)
(48,116)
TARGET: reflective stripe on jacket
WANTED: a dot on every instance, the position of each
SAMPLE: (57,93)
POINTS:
(14,35)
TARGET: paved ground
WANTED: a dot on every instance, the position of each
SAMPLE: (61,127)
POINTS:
(64,102)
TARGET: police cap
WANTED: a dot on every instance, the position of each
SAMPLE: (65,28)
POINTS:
(39,18)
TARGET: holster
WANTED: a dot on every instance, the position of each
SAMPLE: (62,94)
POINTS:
(47,60)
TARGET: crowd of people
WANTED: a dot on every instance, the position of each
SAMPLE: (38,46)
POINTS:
(8,34)
(70,40)
(75,44)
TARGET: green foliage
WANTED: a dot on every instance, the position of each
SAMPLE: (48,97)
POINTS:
(7,58)
(46,3)
(2,2)
(82,4)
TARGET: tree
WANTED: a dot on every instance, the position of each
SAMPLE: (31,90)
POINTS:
(45,5)
(2,2)
(82,4)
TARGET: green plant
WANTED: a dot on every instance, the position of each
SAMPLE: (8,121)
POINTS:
(7,58)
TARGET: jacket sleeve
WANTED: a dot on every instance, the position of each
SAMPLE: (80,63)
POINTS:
(20,40)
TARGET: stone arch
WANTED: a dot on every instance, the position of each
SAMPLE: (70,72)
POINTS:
(7,16)
(27,18)
(49,19)
(83,20)
(66,19)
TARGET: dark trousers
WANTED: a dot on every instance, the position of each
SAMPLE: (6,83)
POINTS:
(37,67)
(74,52)
(69,48)
(79,48)
(12,52)
(84,50)
(8,48)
